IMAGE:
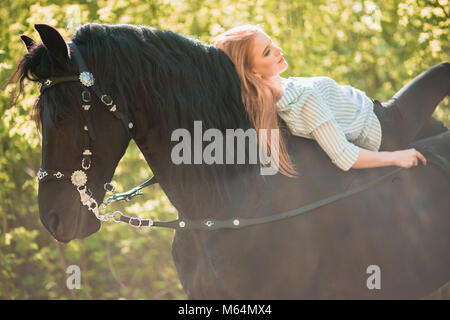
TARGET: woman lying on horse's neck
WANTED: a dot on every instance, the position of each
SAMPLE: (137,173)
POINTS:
(340,118)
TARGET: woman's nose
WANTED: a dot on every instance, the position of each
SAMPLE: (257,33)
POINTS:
(278,50)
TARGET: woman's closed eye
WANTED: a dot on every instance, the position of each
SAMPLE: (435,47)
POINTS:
(267,50)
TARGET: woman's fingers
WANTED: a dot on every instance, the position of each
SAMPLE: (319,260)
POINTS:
(421,157)
(410,158)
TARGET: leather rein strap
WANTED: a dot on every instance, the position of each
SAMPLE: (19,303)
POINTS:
(238,223)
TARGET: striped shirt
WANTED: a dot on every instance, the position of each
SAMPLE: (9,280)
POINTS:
(339,117)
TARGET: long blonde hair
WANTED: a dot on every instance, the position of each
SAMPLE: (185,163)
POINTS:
(259,97)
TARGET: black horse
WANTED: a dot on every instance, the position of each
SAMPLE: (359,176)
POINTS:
(162,81)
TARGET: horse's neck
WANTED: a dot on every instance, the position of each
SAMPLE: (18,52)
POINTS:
(191,196)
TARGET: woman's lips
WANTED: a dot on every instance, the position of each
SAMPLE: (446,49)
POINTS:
(281,59)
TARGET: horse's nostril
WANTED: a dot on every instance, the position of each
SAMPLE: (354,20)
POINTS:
(53,222)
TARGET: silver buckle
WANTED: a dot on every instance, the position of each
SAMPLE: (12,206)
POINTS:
(86,166)
(105,186)
(116,216)
(135,218)
(103,100)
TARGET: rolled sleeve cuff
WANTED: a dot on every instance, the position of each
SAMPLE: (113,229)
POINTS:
(347,157)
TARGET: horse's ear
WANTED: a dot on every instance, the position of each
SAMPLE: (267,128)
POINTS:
(28,42)
(54,42)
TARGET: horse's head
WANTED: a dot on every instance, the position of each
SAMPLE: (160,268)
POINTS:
(81,139)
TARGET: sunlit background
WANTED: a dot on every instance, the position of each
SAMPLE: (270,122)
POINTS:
(376,46)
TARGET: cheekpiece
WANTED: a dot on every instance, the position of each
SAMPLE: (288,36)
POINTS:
(87,79)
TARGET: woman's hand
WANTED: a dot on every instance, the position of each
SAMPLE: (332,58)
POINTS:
(407,158)
(402,158)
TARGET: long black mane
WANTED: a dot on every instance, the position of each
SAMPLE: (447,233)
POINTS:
(180,78)
(168,79)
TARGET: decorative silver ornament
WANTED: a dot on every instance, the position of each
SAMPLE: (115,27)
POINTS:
(87,79)
(109,187)
(209,223)
(58,175)
(78,178)
(48,82)
(41,174)
(85,198)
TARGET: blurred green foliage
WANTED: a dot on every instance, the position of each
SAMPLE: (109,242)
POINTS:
(376,46)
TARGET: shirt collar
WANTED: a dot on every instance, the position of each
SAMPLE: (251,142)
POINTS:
(288,93)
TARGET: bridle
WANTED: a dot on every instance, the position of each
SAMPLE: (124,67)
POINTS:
(79,178)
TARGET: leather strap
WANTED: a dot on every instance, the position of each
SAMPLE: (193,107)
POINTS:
(79,61)
(50,82)
(239,223)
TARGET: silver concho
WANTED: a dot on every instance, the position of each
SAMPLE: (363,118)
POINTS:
(87,79)
(78,178)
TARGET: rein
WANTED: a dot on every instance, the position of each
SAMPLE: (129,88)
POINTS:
(79,178)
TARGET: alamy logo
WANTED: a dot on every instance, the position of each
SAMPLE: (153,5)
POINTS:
(74,280)
(213,152)
(374,281)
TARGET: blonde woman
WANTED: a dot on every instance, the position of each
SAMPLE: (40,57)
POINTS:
(354,130)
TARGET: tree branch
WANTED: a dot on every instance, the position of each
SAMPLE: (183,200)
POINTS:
(111,267)
(85,273)
(64,265)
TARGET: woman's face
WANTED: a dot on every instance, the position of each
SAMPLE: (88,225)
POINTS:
(268,60)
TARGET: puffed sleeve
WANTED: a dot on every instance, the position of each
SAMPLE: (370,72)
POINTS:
(333,141)
(306,114)
(302,117)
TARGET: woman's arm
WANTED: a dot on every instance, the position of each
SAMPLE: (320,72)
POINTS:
(402,158)
(347,155)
